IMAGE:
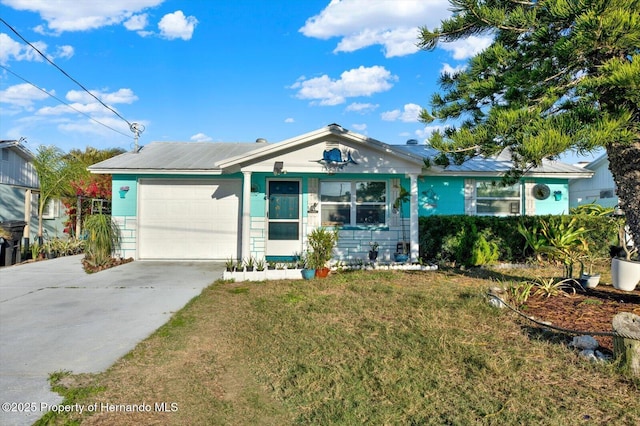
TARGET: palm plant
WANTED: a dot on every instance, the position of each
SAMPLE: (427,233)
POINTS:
(55,174)
(103,237)
(565,243)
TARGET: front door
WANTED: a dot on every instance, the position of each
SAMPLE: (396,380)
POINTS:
(283,218)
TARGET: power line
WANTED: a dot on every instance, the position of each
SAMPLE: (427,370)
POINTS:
(63,102)
(64,72)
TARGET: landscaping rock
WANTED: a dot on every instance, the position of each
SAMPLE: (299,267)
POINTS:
(585,342)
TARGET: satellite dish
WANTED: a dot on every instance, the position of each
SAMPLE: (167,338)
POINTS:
(541,191)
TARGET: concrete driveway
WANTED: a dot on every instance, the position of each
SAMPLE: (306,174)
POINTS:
(54,316)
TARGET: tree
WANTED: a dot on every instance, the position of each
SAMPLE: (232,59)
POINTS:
(54,176)
(86,186)
(559,75)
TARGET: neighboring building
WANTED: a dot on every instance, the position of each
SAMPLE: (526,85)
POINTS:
(19,191)
(600,189)
(222,200)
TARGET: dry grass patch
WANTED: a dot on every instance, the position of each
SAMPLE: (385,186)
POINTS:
(358,347)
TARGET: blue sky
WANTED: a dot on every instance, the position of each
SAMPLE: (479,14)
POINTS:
(216,70)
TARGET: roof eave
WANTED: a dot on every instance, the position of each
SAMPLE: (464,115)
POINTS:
(476,173)
(195,172)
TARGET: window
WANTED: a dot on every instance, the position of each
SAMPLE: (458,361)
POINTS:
(493,199)
(51,209)
(361,203)
(607,193)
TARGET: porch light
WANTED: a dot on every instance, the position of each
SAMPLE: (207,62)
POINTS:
(278,167)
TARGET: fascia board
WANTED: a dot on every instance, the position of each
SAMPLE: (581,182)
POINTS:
(441,172)
(205,172)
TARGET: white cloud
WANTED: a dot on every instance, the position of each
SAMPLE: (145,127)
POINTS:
(22,95)
(364,23)
(409,114)
(76,125)
(176,25)
(74,15)
(360,81)
(121,96)
(446,68)
(12,50)
(289,120)
(71,109)
(359,127)
(427,131)
(82,102)
(65,51)
(361,108)
(136,22)
(201,137)
(471,46)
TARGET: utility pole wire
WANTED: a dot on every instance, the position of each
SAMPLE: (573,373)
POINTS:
(63,102)
(64,72)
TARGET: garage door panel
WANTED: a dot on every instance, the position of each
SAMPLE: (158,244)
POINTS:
(189,219)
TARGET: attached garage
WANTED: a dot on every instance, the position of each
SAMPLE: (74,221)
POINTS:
(188,219)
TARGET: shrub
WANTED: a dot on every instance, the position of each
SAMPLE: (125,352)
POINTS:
(451,238)
(103,236)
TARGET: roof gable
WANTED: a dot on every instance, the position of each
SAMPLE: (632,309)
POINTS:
(310,153)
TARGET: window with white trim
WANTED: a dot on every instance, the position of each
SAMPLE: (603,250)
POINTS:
(51,209)
(353,203)
(494,199)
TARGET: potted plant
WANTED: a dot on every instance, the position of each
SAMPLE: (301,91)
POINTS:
(308,271)
(402,253)
(589,279)
(625,271)
(321,243)
(373,251)
(249,263)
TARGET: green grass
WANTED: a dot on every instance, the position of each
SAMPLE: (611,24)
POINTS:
(360,348)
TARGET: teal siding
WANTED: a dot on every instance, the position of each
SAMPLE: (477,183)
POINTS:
(440,195)
(127,205)
(258,194)
(551,205)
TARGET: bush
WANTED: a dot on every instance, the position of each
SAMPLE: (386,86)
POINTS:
(452,238)
(103,237)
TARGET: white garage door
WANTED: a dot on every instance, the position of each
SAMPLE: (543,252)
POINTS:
(188,219)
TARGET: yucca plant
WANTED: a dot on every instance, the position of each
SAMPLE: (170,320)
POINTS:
(103,237)
(549,287)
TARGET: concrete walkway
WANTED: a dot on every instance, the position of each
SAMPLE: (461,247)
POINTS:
(54,316)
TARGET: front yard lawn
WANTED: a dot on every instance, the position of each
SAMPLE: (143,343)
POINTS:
(384,347)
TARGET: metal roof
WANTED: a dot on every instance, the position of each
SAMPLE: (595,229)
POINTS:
(164,156)
(213,157)
(18,147)
(497,164)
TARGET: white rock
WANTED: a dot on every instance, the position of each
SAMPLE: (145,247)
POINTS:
(588,354)
(496,302)
(585,342)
